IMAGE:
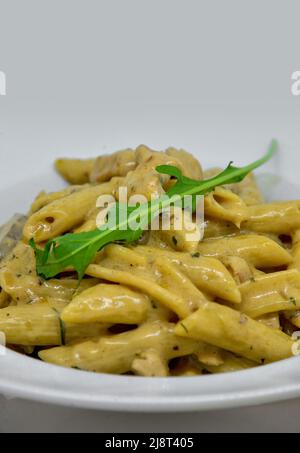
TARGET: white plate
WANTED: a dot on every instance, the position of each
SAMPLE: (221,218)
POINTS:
(29,378)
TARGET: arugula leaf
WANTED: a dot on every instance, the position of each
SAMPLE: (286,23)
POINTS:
(77,251)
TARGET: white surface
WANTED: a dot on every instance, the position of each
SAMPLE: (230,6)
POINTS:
(22,416)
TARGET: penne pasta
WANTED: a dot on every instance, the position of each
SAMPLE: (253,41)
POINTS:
(259,251)
(43,199)
(207,274)
(228,329)
(224,205)
(271,293)
(75,171)
(276,218)
(41,325)
(111,304)
(116,354)
(65,213)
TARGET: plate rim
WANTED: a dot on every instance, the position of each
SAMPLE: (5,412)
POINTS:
(164,395)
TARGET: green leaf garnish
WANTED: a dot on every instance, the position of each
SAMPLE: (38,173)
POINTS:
(77,251)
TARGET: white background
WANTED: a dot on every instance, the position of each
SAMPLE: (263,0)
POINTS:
(87,77)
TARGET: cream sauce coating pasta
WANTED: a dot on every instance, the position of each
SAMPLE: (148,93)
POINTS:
(166,305)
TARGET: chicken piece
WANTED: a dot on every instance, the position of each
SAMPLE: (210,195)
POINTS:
(150,363)
(239,268)
(145,180)
(210,355)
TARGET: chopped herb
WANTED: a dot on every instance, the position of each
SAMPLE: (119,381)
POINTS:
(252,279)
(292,300)
(195,255)
(184,327)
(62,328)
(176,348)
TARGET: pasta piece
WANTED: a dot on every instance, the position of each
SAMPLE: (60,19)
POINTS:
(43,199)
(156,292)
(207,274)
(18,276)
(64,214)
(19,280)
(228,329)
(271,293)
(112,304)
(90,222)
(75,171)
(172,278)
(130,256)
(259,251)
(31,325)
(40,325)
(117,164)
(223,204)
(117,353)
(75,332)
(295,264)
(239,268)
(277,218)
